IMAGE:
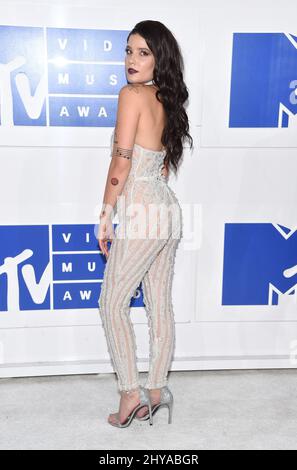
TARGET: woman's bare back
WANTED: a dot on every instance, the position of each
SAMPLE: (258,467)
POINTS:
(152,119)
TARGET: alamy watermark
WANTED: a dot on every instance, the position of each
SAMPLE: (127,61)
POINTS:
(153,221)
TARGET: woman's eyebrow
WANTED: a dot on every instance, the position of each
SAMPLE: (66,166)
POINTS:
(139,48)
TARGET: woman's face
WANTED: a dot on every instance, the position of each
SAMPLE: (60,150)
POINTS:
(140,58)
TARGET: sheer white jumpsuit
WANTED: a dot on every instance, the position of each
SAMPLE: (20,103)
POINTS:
(143,249)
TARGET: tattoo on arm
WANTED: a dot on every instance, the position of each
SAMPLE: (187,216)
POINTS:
(103,211)
(119,151)
(106,210)
(126,153)
(114,181)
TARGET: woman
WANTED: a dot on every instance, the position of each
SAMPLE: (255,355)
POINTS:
(150,127)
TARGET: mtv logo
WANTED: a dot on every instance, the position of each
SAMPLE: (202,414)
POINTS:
(60,76)
(22,76)
(260,264)
(263,80)
(51,267)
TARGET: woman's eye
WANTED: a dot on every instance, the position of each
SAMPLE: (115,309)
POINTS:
(128,50)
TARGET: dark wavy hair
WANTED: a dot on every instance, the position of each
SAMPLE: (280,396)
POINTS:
(172,93)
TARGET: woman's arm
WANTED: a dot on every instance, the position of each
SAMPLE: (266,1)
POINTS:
(128,114)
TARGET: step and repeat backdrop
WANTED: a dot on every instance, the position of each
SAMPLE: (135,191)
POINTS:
(234,288)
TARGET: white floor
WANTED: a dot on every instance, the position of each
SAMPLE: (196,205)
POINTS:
(232,409)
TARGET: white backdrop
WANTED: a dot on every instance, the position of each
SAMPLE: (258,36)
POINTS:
(233,307)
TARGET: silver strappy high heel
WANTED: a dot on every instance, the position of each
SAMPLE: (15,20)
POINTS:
(166,400)
(145,400)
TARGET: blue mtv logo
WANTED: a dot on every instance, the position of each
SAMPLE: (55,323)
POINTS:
(51,267)
(60,76)
(263,80)
(260,264)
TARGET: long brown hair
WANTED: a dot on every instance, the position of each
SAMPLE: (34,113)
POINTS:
(172,92)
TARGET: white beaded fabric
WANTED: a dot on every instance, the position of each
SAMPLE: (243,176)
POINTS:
(143,250)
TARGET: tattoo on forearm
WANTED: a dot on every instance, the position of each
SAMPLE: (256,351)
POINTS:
(106,211)
(103,211)
(114,181)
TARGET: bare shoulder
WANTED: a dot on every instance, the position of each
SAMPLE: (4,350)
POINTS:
(132,89)
(133,95)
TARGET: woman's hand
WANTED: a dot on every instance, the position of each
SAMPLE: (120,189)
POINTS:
(105,234)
